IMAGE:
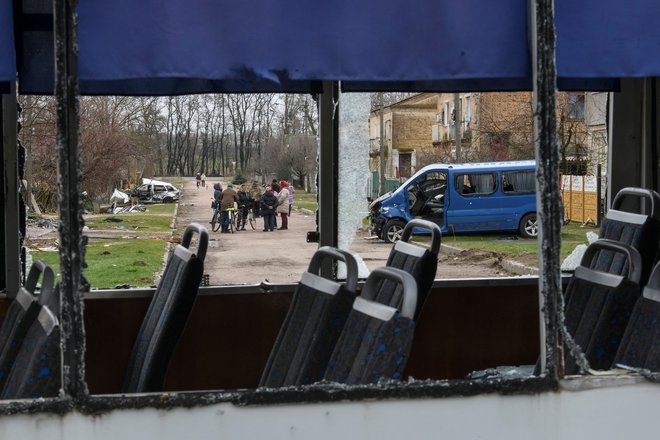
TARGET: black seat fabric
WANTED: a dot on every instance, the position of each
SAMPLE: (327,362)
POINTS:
(377,338)
(599,304)
(22,312)
(167,315)
(313,324)
(419,261)
(640,231)
(36,370)
(640,346)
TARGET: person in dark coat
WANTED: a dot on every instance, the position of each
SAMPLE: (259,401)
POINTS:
(268,210)
(275,185)
(275,188)
(243,205)
(217,197)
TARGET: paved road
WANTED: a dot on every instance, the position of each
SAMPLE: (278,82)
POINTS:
(250,256)
(253,256)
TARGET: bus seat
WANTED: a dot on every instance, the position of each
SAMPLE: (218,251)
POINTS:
(640,346)
(36,370)
(599,304)
(419,261)
(313,324)
(167,315)
(376,340)
(22,312)
(640,231)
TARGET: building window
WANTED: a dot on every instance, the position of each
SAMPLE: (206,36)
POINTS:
(576,106)
(446,114)
(468,112)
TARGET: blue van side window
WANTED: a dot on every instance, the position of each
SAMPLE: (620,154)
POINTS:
(518,182)
(473,184)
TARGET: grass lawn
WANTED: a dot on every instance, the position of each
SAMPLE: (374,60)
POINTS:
(161,208)
(303,199)
(131,222)
(517,248)
(111,263)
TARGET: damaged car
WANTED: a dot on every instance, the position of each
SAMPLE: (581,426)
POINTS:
(155,191)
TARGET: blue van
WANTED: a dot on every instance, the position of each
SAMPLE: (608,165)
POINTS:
(471,197)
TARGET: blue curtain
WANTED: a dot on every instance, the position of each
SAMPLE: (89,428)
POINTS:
(160,47)
(7,54)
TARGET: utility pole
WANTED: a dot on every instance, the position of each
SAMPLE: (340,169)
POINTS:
(457,126)
(382,144)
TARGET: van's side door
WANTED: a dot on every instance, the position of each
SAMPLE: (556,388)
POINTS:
(519,195)
(475,202)
(426,197)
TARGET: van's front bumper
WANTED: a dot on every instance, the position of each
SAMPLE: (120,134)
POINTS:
(377,223)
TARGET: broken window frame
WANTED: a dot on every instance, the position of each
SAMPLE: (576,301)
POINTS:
(75,395)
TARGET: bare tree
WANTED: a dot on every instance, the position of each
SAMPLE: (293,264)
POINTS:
(572,134)
(123,138)
(107,138)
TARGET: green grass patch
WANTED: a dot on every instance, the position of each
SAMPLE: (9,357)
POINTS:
(112,263)
(130,222)
(512,246)
(161,208)
(305,200)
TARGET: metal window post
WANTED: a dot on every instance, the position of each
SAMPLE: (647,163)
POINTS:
(11,232)
(72,283)
(328,170)
(544,74)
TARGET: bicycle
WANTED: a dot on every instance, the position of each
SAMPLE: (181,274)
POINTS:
(215,224)
(231,219)
(250,218)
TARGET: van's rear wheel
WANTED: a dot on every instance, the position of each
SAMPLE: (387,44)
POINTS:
(393,230)
(528,226)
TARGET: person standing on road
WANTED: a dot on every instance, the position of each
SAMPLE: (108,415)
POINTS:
(291,191)
(255,193)
(275,186)
(198,178)
(203,176)
(243,206)
(217,198)
(229,197)
(283,204)
(268,210)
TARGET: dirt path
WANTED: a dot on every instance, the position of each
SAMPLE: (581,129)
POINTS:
(253,256)
(249,256)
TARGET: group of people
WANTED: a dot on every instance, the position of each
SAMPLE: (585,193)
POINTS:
(276,198)
(201,180)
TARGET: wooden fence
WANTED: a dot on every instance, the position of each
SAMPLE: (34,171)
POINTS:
(580,196)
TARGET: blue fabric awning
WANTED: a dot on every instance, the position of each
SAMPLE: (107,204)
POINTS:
(607,38)
(7,54)
(162,47)
(261,41)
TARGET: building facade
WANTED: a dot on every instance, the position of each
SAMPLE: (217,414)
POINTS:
(407,130)
(492,126)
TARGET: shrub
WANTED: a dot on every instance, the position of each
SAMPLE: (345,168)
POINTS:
(239,178)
